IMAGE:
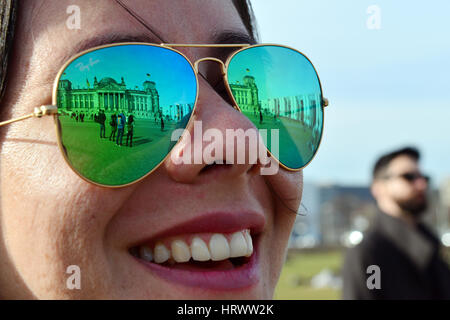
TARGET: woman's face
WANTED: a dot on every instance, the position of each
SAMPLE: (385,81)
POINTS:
(52,219)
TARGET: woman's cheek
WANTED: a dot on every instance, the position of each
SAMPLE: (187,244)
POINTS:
(52,219)
(287,187)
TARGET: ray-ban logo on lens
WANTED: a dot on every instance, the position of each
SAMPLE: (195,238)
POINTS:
(87,66)
(241,147)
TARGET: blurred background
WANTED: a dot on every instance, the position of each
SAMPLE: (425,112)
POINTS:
(384,65)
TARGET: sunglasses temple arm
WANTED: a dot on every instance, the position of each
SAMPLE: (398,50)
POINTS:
(45,110)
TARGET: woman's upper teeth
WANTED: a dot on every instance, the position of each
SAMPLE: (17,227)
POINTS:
(218,247)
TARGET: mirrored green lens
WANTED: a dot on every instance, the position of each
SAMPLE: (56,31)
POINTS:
(278,89)
(118,107)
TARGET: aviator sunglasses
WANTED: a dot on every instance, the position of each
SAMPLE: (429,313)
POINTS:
(115,106)
(411,177)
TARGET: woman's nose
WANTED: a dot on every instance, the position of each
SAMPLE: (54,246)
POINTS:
(421,183)
(218,137)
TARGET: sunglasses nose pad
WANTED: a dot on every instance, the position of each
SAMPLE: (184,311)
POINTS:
(209,59)
(221,86)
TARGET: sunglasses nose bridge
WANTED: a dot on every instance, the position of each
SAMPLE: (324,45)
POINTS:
(209,59)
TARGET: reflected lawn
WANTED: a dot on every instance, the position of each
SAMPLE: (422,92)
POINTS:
(296,140)
(100,159)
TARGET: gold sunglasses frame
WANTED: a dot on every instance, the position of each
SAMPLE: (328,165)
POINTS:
(45,110)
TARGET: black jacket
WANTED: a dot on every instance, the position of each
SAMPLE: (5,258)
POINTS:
(410,263)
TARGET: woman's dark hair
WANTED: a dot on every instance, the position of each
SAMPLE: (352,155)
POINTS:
(7,21)
(244,7)
(8,9)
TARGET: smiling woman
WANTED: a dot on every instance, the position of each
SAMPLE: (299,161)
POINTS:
(136,224)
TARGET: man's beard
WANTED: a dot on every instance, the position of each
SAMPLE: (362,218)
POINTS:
(416,207)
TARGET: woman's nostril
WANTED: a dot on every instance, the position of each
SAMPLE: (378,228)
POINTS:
(214,166)
(208,167)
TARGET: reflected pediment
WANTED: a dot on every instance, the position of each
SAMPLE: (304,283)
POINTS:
(108,84)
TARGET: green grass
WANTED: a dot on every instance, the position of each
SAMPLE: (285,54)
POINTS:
(103,161)
(300,267)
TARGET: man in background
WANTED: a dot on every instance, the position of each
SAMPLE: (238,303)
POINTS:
(399,251)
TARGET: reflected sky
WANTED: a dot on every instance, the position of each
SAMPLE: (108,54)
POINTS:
(278,72)
(173,75)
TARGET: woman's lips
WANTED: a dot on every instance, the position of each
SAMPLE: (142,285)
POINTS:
(222,241)
(216,222)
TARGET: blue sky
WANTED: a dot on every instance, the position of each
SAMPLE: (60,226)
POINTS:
(387,87)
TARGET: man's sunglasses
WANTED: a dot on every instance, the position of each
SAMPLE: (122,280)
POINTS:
(411,177)
(135,94)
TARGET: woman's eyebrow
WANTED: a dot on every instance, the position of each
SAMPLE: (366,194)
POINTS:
(223,37)
(230,37)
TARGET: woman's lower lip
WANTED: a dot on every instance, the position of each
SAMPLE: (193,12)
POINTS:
(241,277)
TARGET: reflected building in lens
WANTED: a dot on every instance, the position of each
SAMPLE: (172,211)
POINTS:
(177,112)
(305,108)
(110,96)
(246,94)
